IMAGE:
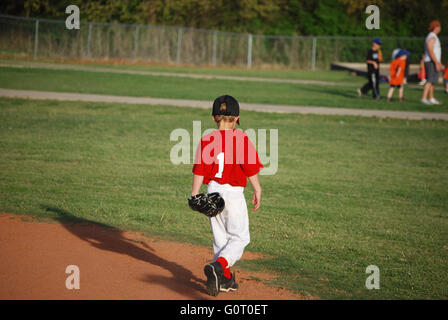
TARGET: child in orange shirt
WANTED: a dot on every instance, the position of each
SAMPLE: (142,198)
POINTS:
(422,73)
(397,75)
(445,78)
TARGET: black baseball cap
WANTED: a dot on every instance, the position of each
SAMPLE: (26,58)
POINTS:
(232,106)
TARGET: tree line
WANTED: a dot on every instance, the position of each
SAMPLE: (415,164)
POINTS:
(275,17)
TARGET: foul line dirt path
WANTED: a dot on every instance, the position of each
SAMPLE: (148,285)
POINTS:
(113,264)
(65,96)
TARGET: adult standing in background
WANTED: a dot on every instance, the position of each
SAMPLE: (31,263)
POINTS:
(433,65)
(374,57)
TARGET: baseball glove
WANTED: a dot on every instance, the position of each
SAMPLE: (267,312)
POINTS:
(210,204)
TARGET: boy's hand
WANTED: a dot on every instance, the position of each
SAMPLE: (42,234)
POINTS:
(256,199)
(373,63)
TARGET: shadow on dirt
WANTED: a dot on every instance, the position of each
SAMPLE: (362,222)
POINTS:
(105,237)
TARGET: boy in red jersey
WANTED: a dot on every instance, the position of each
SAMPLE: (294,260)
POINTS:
(224,160)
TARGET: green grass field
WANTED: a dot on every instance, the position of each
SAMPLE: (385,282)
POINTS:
(221,71)
(205,89)
(350,192)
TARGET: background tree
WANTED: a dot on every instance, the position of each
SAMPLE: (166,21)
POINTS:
(286,17)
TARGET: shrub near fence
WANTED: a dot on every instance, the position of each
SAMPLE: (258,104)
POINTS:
(177,45)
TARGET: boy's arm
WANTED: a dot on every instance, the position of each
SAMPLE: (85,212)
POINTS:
(375,65)
(380,56)
(430,46)
(197,183)
(256,199)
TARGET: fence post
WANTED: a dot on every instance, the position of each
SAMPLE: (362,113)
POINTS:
(179,45)
(215,43)
(249,51)
(137,28)
(313,54)
(89,37)
(36,38)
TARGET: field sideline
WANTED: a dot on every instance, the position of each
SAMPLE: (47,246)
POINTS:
(320,77)
(366,191)
(290,74)
(275,93)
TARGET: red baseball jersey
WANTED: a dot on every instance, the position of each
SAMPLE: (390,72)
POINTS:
(227,157)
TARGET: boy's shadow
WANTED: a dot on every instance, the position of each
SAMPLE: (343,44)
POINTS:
(109,238)
(333,91)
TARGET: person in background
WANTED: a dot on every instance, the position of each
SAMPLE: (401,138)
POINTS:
(421,75)
(374,57)
(433,66)
(394,53)
(406,68)
(397,74)
(445,78)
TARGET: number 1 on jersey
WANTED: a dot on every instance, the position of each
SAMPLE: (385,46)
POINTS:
(220,158)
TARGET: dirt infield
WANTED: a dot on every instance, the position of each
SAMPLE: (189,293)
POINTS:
(113,264)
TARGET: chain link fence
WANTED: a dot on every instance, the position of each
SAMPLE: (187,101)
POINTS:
(45,38)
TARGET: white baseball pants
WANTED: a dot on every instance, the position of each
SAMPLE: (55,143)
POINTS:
(231,227)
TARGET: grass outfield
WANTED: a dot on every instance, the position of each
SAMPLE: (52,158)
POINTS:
(350,192)
(206,89)
(221,71)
